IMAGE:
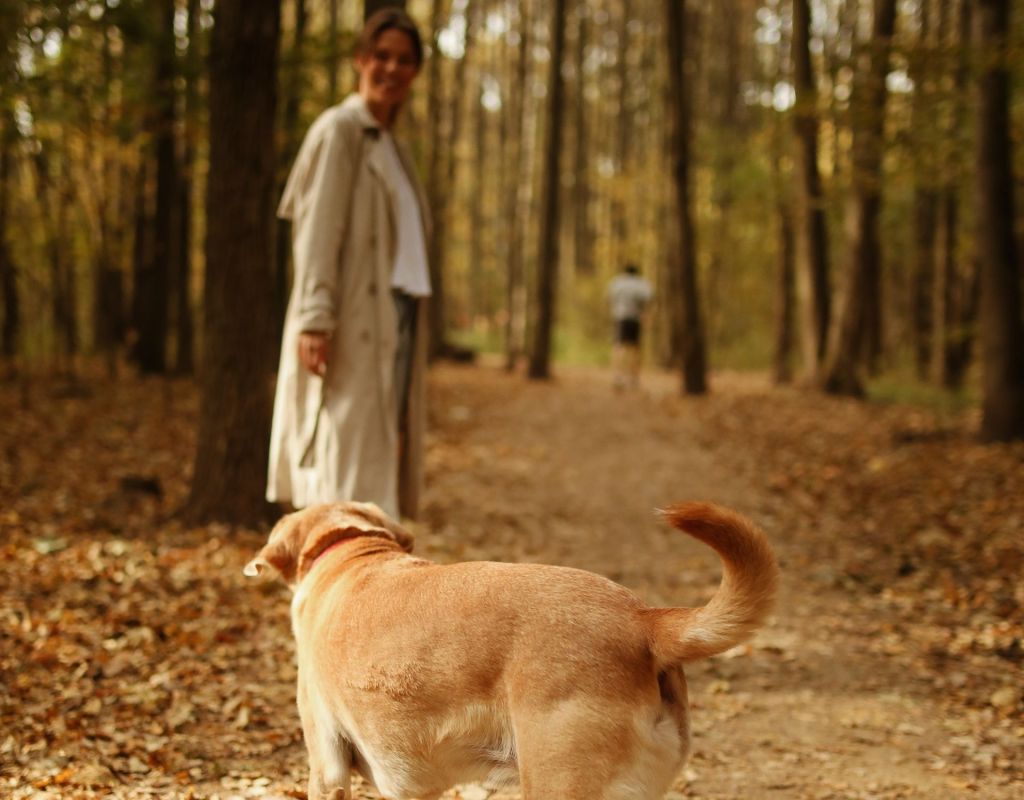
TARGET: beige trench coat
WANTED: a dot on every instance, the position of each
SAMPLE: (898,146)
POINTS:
(336,437)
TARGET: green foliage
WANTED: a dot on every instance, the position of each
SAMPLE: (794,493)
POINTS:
(903,389)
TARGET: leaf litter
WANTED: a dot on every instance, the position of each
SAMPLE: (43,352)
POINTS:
(136,660)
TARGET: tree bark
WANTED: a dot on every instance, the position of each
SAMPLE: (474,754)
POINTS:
(1000,318)
(548,250)
(185,355)
(292,136)
(152,324)
(10,329)
(858,324)
(435,178)
(515,192)
(371,7)
(691,346)
(583,256)
(811,230)
(229,479)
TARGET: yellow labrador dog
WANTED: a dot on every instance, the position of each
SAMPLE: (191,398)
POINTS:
(419,675)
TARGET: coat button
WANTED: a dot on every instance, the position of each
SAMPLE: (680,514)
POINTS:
(373,288)
(365,336)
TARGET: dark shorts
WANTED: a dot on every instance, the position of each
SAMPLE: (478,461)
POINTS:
(627,331)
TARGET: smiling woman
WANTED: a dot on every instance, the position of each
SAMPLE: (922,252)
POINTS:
(348,413)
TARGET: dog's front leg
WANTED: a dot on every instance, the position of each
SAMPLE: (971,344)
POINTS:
(330,755)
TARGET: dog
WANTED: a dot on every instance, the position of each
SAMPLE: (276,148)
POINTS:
(419,676)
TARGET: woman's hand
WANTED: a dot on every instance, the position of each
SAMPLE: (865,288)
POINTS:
(314,348)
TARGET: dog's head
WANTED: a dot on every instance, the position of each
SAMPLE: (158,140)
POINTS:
(298,538)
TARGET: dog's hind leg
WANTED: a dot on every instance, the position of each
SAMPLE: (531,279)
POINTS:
(583,752)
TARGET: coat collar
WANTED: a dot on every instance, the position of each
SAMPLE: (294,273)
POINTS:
(357,104)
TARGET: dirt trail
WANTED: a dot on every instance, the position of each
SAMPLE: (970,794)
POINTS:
(137,661)
(570,472)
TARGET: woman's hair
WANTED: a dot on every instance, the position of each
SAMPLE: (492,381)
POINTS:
(388,19)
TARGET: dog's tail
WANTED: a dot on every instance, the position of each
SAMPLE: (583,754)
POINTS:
(743,599)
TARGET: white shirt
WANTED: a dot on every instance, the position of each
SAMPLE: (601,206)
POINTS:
(411,273)
(628,294)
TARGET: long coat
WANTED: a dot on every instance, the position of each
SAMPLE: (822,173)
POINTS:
(336,437)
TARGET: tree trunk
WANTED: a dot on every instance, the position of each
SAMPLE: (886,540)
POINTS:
(692,347)
(152,325)
(478,268)
(811,230)
(547,256)
(229,479)
(1000,318)
(514,194)
(858,324)
(371,7)
(583,257)
(10,328)
(954,290)
(333,57)
(185,355)
(925,193)
(292,136)
(435,176)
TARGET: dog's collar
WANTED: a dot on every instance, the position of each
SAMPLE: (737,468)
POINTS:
(326,550)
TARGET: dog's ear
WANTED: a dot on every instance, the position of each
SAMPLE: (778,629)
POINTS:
(280,551)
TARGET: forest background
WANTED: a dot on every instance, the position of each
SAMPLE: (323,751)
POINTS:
(820,188)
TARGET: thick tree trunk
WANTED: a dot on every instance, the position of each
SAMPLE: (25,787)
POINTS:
(691,346)
(1000,318)
(811,230)
(229,479)
(293,84)
(547,256)
(858,324)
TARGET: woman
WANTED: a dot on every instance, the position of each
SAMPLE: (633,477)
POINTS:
(348,412)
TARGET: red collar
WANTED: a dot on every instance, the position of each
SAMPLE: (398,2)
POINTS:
(326,550)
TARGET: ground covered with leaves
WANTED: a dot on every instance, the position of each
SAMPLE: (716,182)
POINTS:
(137,661)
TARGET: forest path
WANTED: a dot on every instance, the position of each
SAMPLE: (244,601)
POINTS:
(136,660)
(569,472)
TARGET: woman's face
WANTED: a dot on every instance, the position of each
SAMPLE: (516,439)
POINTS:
(386,71)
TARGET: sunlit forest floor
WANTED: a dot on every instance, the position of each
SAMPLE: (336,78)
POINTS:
(136,661)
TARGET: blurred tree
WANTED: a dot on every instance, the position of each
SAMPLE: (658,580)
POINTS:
(373,6)
(548,249)
(156,273)
(692,346)
(229,478)
(1000,318)
(812,250)
(856,335)
(293,81)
